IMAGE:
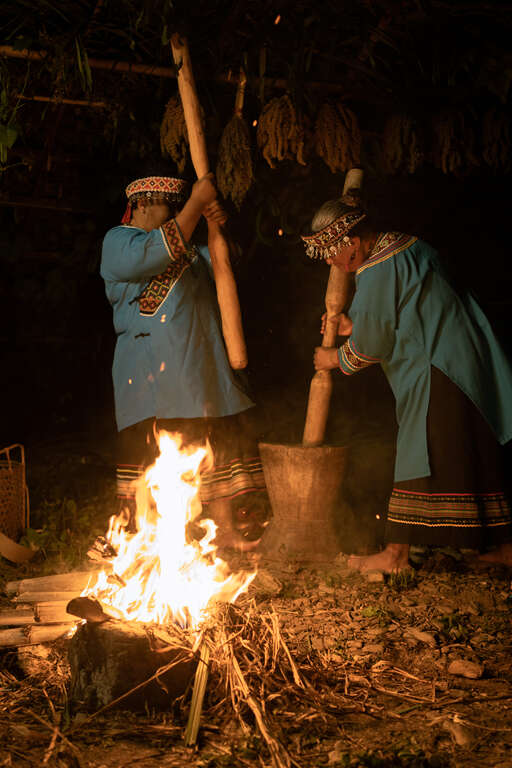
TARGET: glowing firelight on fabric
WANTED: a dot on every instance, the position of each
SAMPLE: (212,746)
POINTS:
(161,575)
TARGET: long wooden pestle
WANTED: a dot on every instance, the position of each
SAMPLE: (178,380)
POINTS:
(336,297)
(227,294)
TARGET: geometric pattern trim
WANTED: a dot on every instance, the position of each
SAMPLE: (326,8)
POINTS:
(449,510)
(322,244)
(126,477)
(160,184)
(387,246)
(232,479)
(159,287)
(351,361)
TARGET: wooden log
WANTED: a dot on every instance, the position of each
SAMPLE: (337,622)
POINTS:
(227,294)
(42,613)
(45,597)
(34,634)
(336,297)
(16,618)
(111,659)
(72,581)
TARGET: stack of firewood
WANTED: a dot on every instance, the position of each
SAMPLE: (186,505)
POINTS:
(37,613)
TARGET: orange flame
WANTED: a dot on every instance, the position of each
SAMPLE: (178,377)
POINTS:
(160,574)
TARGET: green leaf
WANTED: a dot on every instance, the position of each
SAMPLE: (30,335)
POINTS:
(21,42)
(88,75)
(8,135)
(165,35)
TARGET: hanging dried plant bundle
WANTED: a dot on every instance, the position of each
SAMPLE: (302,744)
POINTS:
(402,148)
(337,137)
(496,139)
(173,133)
(281,131)
(234,165)
(454,142)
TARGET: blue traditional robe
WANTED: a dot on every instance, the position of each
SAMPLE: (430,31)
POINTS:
(408,317)
(170,360)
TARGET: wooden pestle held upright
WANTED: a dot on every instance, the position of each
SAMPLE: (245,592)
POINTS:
(335,301)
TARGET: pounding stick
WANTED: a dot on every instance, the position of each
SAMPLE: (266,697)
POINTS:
(227,294)
(335,299)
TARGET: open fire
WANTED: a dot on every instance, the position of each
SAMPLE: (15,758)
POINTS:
(162,573)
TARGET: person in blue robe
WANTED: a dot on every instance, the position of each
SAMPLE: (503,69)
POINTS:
(170,368)
(451,380)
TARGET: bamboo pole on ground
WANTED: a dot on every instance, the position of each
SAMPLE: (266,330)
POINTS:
(34,634)
(227,294)
(47,597)
(40,613)
(72,581)
(335,300)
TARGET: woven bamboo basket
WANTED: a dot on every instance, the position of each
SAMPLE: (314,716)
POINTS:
(14,506)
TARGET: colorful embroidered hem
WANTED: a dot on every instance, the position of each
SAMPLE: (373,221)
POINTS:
(159,287)
(387,246)
(351,361)
(126,477)
(453,510)
(233,479)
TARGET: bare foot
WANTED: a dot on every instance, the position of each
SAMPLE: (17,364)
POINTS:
(395,557)
(502,555)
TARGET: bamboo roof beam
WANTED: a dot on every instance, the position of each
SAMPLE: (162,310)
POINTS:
(157,71)
(61,100)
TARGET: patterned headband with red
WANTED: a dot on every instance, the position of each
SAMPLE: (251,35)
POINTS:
(322,244)
(167,188)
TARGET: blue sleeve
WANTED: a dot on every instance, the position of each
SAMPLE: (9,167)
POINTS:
(374,315)
(371,341)
(131,255)
(205,253)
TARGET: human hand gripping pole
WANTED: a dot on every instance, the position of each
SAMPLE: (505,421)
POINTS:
(227,294)
(335,299)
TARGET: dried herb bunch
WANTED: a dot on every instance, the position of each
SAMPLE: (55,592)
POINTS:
(173,133)
(281,131)
(453,148)
(402,145)
(234,164)
(337,137)
(496,139)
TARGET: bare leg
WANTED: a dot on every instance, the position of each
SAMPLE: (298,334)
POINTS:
(500,556)
(395,557)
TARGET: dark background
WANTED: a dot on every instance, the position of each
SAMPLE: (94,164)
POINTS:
(62,181)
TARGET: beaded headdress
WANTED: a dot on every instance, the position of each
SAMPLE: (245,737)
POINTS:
(322,244)
(153,188)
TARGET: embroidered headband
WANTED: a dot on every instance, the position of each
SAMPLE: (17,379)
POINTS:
(322,244)
(167,188)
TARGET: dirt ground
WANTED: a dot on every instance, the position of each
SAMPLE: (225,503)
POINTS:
(412,670)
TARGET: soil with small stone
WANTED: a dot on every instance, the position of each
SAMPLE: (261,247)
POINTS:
(412,670)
